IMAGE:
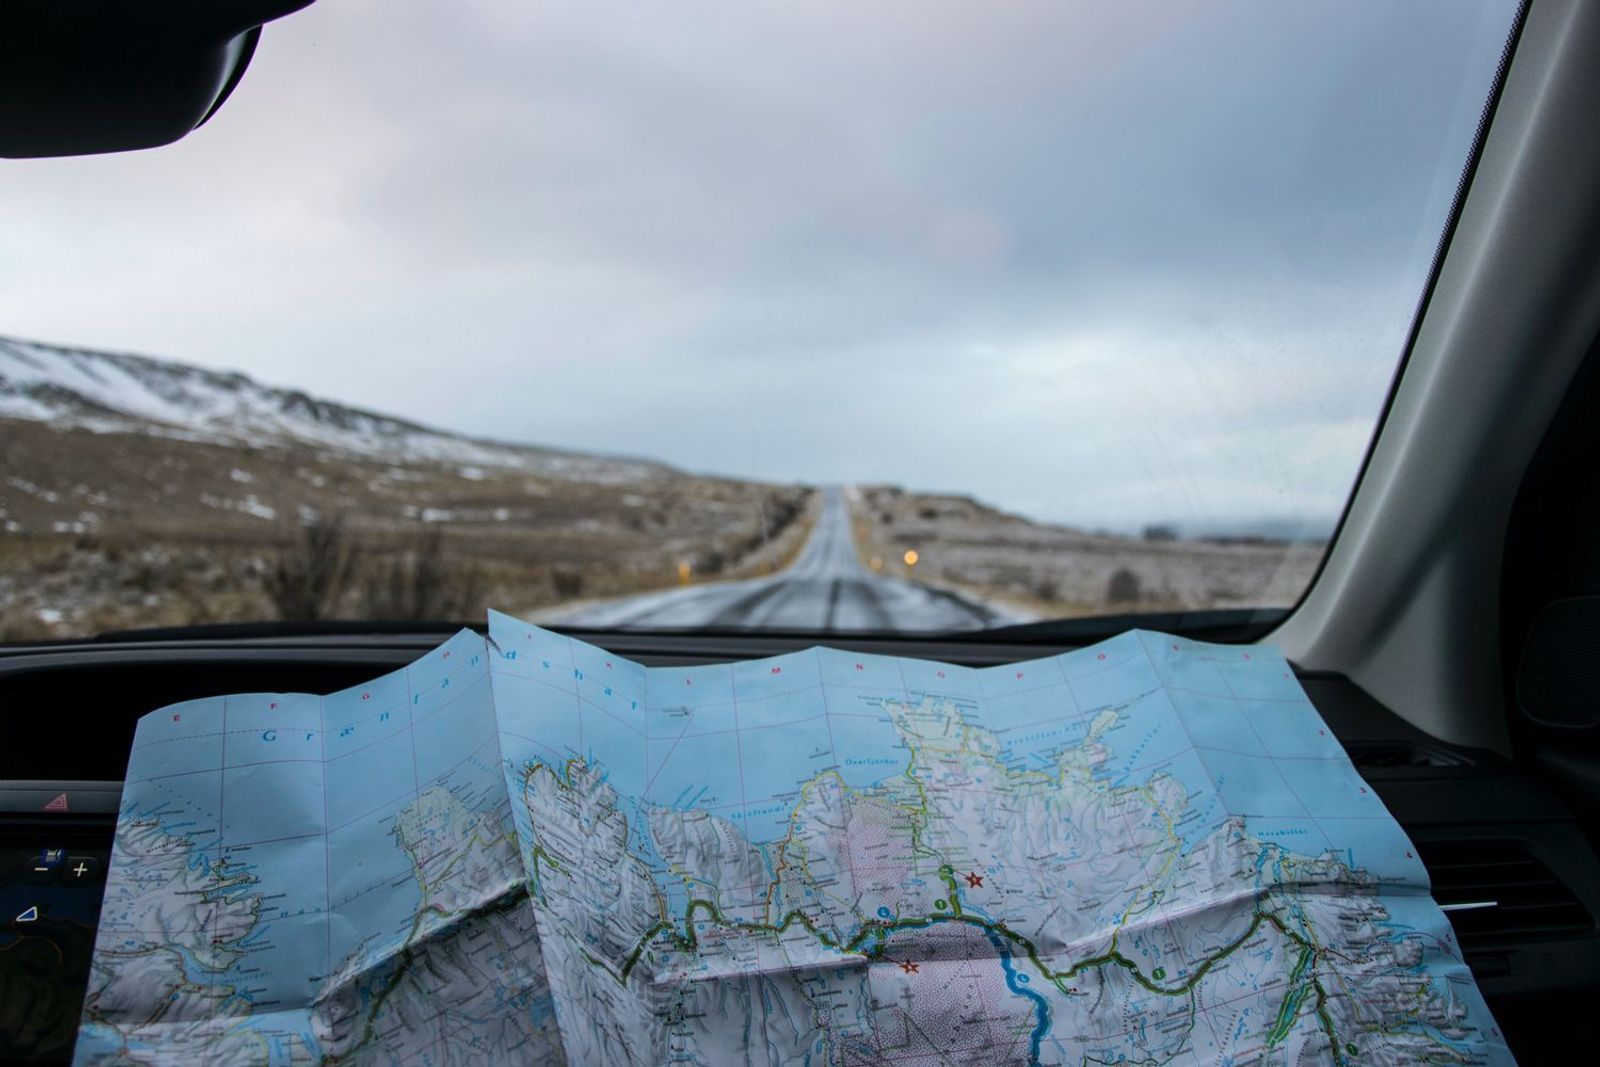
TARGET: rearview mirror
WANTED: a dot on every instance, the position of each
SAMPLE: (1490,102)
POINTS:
(85,76)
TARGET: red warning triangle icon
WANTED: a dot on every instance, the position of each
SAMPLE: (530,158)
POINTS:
(58,804)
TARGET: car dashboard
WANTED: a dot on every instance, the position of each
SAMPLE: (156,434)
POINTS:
(1512,868)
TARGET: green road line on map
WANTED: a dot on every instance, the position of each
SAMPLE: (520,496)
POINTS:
(539,855)
(504,901)
(1292,1000)
(947,874)
(871,940)
(1326,1020)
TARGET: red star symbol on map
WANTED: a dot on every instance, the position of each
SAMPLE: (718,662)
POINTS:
(974,880)
(909,967)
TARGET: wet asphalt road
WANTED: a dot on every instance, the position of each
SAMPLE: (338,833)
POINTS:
(826,588)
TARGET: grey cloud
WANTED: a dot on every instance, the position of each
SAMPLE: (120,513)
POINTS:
(1102,263)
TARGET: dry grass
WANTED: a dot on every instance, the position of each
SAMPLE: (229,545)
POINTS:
(114,531)
(1053,571)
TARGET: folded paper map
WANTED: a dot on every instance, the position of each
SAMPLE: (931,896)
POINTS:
(525,849)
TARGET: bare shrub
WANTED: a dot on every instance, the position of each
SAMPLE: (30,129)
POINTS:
(777,513)
(1047,589)
(311,571)
(1123,587)
(567,581)
(421,583)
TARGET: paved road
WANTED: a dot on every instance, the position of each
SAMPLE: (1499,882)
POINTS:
(826,588)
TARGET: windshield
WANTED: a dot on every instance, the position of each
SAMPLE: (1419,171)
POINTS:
(889,317)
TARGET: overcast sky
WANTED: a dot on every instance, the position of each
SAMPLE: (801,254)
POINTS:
(1101,263)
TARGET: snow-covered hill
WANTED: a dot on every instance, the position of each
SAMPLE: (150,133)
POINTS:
(112,392)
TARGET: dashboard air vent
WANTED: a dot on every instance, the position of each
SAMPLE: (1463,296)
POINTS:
(1496,891)
(1402,754)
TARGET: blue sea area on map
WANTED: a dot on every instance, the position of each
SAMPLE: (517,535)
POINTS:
(295,797)
(1229,724)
